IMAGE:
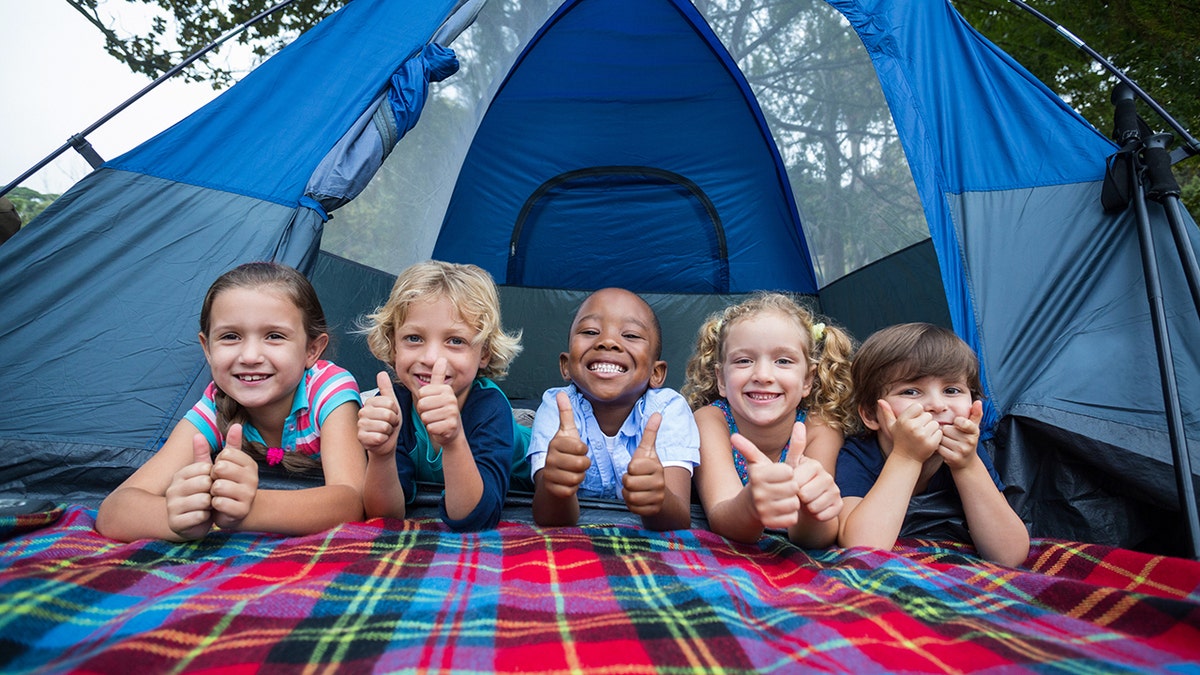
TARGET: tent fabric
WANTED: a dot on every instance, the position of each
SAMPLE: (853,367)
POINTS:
(878,157)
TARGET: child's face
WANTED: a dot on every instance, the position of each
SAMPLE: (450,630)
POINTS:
(612,348)
(258,351)
(435,330)
(765,373)
(945,398)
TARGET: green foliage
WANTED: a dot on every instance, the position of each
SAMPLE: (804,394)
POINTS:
(179,28)
(29,203)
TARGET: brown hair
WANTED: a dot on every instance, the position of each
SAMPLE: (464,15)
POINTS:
(471,291)
(911,351)
(831,390)
(296,288)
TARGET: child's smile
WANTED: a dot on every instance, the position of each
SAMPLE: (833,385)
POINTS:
(613,350)
(258,350)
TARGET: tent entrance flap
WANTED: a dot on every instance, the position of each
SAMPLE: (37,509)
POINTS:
(598,213)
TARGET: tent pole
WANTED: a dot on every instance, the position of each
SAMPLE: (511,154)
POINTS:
(1189,145)
(79,141)
(1128,130)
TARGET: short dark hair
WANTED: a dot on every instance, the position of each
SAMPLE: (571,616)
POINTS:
(911,351)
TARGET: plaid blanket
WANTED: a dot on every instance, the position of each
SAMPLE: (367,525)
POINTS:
(390,596)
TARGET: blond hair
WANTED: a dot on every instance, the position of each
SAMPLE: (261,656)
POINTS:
(472,292)
(831,391)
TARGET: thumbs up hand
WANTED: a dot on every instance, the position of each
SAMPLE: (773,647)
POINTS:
(234,482)
(379,419)
(438,407)
(189,504)
(818,492)
(960,440)
(645,487)
(774,493)
(566,459)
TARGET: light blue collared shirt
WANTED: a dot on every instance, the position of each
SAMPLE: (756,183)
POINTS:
(677,443)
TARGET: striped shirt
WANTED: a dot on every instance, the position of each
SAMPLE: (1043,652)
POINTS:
(323,388)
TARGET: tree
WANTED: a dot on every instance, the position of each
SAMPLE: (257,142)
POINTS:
(29,203)
(179,28)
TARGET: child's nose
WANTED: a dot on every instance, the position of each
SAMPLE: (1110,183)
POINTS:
(250,352)
(764,371)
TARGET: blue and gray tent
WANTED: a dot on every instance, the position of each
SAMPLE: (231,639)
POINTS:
(881,158)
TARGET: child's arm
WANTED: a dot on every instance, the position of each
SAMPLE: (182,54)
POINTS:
(339,500)
(556,486)
(875,520)
(997,531)
(662,497)
(378,431)
(438,408)
(167,497)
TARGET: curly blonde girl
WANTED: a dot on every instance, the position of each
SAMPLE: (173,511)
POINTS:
(829,349)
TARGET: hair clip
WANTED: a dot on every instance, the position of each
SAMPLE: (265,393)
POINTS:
(817,331)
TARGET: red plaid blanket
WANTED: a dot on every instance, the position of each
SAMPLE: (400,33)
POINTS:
(411,596)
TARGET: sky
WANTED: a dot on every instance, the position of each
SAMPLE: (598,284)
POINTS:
(56,80)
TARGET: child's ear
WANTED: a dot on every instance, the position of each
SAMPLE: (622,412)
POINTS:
(658,375)
(870,415)
(808,381)
(204,346)
(720,381)
(564,360)
(316,347)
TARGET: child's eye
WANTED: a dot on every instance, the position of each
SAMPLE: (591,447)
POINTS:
(910,392)
(227,337)
(954,391)
(276,336)
(632,336)
(590,332)
(413,339)
(784,361)
(457,341)
(743,361)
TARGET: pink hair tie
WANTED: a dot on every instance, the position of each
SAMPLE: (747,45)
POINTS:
(274,456)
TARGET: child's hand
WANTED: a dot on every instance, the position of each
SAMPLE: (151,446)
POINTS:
(915,434)
(645,488)
(379,419)
(774,493)
(189,502)
(235,482)
(566,459)
(438,407)
(960,440)
(818,492)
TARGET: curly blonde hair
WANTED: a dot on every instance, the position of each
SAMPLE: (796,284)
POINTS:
(831,391)
(472,292)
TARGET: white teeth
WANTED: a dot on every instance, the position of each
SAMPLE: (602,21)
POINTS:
(761,397)
(606,368)
(252,378)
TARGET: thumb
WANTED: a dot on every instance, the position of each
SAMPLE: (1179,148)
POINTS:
(649,437)
(566,416)
(797,444)
(384,382)
(438,377)
(233,437)
(976,412)
(200,450)
(748,449)
(886,412)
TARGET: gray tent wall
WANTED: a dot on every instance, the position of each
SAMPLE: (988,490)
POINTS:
(100,294)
